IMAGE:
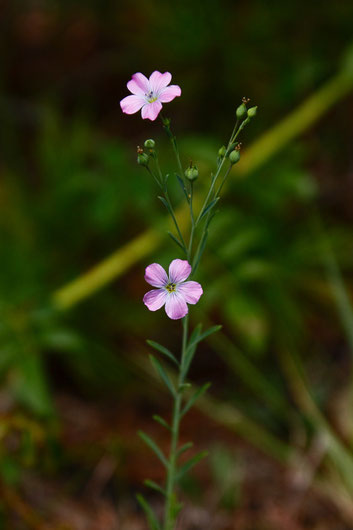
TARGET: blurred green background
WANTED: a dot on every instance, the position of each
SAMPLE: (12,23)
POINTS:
(75,385)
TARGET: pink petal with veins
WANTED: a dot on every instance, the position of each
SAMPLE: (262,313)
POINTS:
(179,270)
(175,306)
(132,104)
(151,110)
(155,275)
(139,84)
(159,81)
(169,93)
(155,299)
(191,291)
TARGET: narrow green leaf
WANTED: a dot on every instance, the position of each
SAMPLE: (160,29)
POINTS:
(163,374)
(195,397)
(162,199)
(160,420)
(151,518)
(196,332)
(184,448)
(176,240)
(184,386)
(191,463)
(182,185)
(154,447)
(163,350)
(208,208)
(200,250)
(153,485)
(204,335)
(190,351)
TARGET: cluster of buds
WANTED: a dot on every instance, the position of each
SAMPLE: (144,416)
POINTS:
(142,157)
(243,112)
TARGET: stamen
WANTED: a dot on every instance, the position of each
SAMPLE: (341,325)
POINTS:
(171,287)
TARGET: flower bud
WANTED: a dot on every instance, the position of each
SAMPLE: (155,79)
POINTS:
(241,111)
(252,112)
(222,150)
(150,143)
(234,156)
(191,173)
(143,159)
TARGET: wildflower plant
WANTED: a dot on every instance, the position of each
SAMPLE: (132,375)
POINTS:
(176,290)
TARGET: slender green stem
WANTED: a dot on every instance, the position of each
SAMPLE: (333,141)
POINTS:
(166,195)
(192,232)
(170,508)
(166,125)
(233,137)
(159,182)
(218,191)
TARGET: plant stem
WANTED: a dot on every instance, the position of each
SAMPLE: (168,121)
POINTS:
(170,508)
(191,240)
(166,125)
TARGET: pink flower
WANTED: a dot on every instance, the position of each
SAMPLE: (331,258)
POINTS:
(149,94)
(172,291)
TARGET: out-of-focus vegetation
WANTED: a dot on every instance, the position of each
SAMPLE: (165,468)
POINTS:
(74,383)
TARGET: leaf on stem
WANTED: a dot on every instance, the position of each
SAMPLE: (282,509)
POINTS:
(204,335)
(163,350)
(191,463)
(165,202)
(182,185)
(190,351)
(161,421)
(151,518)
(163,374)
(208,208)
(154,447)
(184,448)
(195,397)
(154,486)
(176,240)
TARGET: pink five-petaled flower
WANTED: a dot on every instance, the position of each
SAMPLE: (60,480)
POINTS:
(172,290)
(149,94)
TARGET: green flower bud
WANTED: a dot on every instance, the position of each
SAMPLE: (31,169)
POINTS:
(143,159)
(222,151)
(241,111)
(191,173)
(150,143)
(252,112)
(234,157)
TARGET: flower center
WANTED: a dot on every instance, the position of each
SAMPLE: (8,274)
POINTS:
(171,287)
(151,97)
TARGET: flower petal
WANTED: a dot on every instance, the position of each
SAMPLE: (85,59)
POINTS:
(155,299)
(131,104)
(179,270)
(139,84)
(159,81)
(169,93)
(175,306)
(191,291)
(151,110)
(155,275)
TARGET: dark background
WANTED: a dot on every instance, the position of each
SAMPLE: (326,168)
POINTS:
(75,383)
